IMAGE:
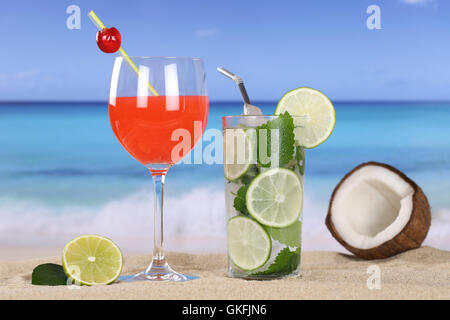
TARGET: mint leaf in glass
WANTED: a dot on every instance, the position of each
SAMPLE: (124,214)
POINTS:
(250,175)
(285,263)
(289,236)
(284,124)
(239,201)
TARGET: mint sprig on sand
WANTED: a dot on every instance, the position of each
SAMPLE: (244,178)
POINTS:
(49,274)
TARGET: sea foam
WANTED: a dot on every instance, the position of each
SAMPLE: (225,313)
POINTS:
(194,221)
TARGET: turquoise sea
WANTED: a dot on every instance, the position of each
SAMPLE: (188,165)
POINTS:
(63,173)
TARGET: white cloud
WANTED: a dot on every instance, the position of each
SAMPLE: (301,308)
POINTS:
(26,74)
(202,33)
(25,79)
(419,2)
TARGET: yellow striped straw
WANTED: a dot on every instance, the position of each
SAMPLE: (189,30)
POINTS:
(127,58)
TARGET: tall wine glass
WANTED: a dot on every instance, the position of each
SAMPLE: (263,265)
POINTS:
(158,129)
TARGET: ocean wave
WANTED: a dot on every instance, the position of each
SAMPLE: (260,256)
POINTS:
(79,172)
(122,171)
(198,216)
(199,212)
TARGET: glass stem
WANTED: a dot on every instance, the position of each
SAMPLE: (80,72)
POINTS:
(158,250)
(159,263)
(159,269)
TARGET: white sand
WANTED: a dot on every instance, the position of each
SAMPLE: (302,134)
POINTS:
(418,274)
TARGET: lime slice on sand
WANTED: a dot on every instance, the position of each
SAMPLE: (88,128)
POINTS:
(92,260)
(274,198)
(249,245)
(240,152)
(318,111)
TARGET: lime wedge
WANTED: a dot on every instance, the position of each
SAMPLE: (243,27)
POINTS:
(318,111)
(240,152)
(249,245)
(92,260)
(274,198)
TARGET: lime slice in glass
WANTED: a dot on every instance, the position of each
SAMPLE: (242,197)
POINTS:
(318,111)
(274,198)
(240,152)
(92,260)
(249,245)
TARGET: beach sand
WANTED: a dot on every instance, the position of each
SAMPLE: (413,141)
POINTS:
(417,274)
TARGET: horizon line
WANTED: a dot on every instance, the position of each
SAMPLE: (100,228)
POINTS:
(343,101)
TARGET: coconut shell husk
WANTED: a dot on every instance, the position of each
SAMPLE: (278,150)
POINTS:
(411,236)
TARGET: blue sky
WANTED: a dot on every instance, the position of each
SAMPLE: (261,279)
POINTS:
(274,45)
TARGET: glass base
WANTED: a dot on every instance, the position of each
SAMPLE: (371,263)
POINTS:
(158,272)
(240,275)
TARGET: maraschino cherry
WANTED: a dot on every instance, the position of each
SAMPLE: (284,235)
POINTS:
(109,39)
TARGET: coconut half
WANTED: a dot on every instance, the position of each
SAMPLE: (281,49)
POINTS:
(376,211)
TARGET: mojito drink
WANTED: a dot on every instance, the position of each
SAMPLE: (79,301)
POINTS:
(264,169)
